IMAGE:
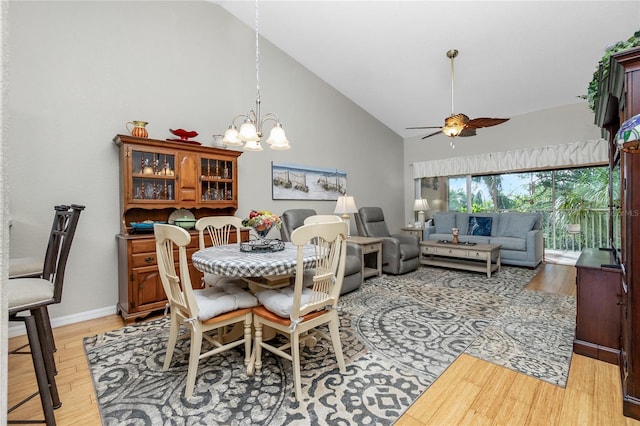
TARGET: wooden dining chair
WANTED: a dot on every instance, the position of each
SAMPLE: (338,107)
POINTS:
(297,311)
(28,302)
(201,311)
(217,231)
(323,218)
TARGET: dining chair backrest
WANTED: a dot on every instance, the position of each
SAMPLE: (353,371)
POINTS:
(218,229)
(176,286)
(63,229)
(323,218)
(329,241)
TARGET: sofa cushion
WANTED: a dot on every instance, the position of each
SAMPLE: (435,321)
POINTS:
(479,225)
(510,243)
(445,222)
(519,225)
(462,222)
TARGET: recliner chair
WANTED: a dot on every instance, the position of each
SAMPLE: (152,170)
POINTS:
(400,253)
(294,218)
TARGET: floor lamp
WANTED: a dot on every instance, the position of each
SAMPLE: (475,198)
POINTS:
(344,206)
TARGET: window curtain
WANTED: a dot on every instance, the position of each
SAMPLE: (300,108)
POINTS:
(555,156)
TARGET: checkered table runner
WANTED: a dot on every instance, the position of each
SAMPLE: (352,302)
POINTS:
(229,261)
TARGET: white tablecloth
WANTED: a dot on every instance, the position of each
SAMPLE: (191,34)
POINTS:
(229,261)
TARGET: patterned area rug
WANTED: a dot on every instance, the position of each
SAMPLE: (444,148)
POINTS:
(399,333)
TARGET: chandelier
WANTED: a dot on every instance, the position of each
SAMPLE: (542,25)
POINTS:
(250,131)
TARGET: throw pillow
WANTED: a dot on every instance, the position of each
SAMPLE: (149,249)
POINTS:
(480,226)
(445,222)
(519,225)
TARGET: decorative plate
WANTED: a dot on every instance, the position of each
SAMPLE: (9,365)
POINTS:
(180,214)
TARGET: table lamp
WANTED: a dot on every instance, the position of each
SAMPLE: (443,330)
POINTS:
(420,205)
(344,206)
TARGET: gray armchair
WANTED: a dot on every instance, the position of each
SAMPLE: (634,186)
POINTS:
(293,218)
(400,253)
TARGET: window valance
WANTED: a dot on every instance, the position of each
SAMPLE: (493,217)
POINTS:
(553,156)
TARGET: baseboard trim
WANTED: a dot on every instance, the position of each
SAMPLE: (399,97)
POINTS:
(19,330)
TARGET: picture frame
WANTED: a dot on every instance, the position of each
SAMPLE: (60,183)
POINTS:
(299,182)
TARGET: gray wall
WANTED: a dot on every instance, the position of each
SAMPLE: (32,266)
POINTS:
(78,71)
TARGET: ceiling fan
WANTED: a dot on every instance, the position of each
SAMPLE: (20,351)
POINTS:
(460,124)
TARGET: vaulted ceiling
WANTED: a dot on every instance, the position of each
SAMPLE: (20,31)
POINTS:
(389,57)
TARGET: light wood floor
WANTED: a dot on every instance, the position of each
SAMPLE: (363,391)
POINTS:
(469,392)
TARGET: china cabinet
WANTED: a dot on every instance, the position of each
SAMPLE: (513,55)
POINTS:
(157,180)
(620,101)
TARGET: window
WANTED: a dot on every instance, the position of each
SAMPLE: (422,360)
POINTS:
(564,197)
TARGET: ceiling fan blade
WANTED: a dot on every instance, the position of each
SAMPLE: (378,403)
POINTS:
(431,134)
(477,123)
(467,132)
(426,127)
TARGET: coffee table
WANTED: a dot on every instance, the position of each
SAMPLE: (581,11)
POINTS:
(478,257)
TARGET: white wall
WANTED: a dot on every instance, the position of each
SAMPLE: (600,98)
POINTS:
(77,71)
(555,126)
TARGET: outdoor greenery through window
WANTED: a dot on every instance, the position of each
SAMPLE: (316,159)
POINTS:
(566,198)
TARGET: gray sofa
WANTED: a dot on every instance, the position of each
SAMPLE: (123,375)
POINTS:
(519,234)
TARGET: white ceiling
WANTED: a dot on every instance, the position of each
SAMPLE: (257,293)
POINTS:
(389,57)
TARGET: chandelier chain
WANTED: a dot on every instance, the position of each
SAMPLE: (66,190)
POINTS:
(257,54)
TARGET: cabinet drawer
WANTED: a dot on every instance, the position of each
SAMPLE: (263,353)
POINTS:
(143,259)
(451,252)
(149,259)
(148,245)
(478,254)
(143,246)
(429,250)
(369,248)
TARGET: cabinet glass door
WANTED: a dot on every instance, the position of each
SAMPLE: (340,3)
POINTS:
(216,180)
(152,176)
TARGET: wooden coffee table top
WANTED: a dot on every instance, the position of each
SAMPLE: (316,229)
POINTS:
(478,246)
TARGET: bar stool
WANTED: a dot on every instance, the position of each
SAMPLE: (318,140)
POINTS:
(28,299)
(25,267)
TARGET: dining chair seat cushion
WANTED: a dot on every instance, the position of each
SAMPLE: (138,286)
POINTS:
(25,267)
(213,301)
(214,280)
(280,301)
(23,292)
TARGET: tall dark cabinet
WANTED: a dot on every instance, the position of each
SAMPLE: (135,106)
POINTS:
(620,102)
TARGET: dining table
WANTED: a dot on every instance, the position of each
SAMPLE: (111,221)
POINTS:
(229,260)
(260,269)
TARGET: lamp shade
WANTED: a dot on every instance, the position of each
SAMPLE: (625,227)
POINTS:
(248,132)
(420,204)
(231,137)
(252,146)
(277,138)
(345,205)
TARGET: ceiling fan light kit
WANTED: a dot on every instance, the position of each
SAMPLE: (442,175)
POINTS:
(459,124)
